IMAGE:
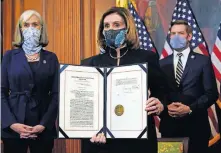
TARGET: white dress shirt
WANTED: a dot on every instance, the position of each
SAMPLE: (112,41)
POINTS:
(183,58)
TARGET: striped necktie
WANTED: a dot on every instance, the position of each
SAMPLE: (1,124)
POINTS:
(179,69)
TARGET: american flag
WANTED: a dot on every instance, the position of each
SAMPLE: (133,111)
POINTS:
(183,11)
(146,42)
(216,60)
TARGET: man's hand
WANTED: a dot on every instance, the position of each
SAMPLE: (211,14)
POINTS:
(177,109)
(153,105)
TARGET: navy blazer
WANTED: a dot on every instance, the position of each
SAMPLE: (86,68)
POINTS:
(16,91)
(197,90)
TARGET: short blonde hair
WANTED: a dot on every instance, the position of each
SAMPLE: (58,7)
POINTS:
(18,38)
(132,39)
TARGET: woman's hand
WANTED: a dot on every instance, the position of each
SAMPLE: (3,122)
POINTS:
(153,105)
(28,136)
(38,129)
(21,128)
(100,138)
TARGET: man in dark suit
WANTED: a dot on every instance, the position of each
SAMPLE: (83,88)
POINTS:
(192,91)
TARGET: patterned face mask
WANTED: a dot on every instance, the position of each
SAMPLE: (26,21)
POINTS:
(31,41)
(115,38)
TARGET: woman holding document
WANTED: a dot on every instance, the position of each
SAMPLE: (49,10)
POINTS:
(29,89)
(117,36)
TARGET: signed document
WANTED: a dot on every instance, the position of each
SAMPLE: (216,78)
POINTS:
(110,100)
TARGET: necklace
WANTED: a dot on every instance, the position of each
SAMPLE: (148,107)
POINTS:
(32,58)
(118,57)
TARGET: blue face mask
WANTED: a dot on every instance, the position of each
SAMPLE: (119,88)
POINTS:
(178,43)
(31,41)
(115,38)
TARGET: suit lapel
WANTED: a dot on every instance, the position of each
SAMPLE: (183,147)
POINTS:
(189,63)
(170,71)
(21,57)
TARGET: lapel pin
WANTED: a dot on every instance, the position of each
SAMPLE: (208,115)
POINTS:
(44,61)
(192,56)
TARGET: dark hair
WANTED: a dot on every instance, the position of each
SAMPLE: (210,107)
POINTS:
(182,22)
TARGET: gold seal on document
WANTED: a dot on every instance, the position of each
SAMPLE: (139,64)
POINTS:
(119,110)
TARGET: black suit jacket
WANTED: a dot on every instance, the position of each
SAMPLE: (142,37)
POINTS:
(197,90)
(157,88)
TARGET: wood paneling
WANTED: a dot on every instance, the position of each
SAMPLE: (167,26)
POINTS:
(64,30)
(7,24)
(88,31)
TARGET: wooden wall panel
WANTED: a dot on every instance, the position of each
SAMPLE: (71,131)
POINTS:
(64,31)
(49,18)
(7,24)
(32,4)
(89,28)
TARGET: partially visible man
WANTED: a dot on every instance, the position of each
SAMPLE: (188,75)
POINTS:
(192,91)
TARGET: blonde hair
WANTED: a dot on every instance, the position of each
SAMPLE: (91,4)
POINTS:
(18,38)
(132,39)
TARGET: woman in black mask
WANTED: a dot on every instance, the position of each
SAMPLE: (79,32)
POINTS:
(118,38)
